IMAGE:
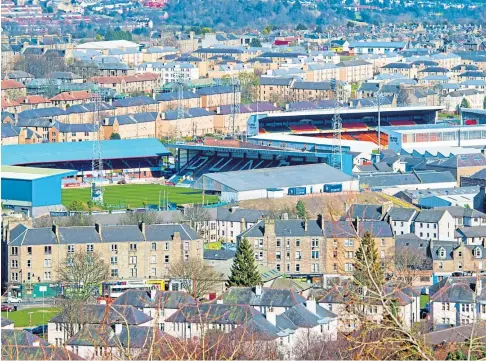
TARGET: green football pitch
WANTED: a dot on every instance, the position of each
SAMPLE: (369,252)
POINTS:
(23,317)
(134,195)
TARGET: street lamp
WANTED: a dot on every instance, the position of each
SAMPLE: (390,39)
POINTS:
(378,96)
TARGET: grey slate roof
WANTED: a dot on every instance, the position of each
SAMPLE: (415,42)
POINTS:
(364,212)
(41,113)
(460,212)
(286,228)
(269,297)
(375,228)
(162,97)
(107,314)
(188,113)
(401,214)
(430,215)
(277,81)
(214,313)
(135,337)
(19,337)
(133,101)
(88,234)
(456,292)
(5,322)
(235,214)
(339,229)
(299,316)
(471,232)
(163,299)
(37,353)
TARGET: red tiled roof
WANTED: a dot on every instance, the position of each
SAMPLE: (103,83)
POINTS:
(32,99)
(74,95)
(9,103)
(11,84)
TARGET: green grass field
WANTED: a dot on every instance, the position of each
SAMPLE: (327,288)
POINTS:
(134,195)
(21,317)
(347,57)
(424,299)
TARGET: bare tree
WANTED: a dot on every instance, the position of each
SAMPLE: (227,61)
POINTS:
(135,218)
(410,264)
(196,215)
(39,65)
(70,221)
(83,273)
(403,98)
(197,277)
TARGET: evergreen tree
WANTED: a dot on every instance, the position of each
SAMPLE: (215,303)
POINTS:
(301,211)
(465,103)
(301,27)
(244,271)
(367,266)
(255,43)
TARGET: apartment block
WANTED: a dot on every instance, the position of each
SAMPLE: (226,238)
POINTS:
(132,252)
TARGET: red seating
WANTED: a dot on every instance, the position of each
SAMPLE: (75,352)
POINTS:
(354,126)
(302,128)
(396,123)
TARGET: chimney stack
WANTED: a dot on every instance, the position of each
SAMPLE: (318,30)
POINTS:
(258,290)
(153,293)
(118,328)
(311,306)
(305,225)
(55,229)
(479,286)
(269,227)
(272,318)
(98,228)
(243,225)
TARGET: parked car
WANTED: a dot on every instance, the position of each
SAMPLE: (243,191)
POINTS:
(38,330)
(12,299)
(8,308)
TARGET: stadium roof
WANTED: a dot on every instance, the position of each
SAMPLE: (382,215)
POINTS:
(293,176)
(351,145)
(81,151)
(426,128)
(28,173)
(249,148)
(347,111)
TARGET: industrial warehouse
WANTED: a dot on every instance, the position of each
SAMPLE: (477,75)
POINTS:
(277,182)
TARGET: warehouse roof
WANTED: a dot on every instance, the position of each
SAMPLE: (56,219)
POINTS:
(294,176)
(28,173)
(79,151)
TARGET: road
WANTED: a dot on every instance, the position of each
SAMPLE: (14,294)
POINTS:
(32,304)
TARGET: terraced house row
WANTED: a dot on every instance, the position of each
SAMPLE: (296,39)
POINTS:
(133,252)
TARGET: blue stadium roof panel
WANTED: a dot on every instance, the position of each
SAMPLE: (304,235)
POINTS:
(81,151)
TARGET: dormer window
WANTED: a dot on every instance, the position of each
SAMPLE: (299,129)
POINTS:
(477,252)
(442,253)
